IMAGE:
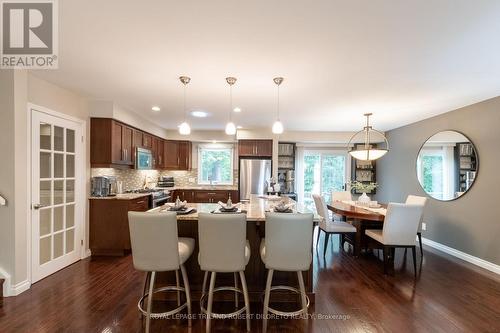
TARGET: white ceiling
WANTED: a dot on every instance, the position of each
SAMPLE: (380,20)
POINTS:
(402,60)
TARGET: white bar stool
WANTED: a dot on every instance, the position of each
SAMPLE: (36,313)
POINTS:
(287,247)
(156,247)
(223,249)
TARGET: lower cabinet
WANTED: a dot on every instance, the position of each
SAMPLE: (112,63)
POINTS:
(205,196)
(109,232)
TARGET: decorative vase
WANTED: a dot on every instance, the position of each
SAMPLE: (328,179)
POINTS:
(364,199)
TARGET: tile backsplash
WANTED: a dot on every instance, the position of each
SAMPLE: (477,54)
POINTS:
(134,179)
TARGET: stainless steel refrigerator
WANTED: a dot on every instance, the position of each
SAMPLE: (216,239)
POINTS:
(254,176)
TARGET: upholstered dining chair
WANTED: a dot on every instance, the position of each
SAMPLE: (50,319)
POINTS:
(400,226)
(340,196)
(327,225)
(416,200)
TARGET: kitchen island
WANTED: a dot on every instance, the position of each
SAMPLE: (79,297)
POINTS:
(255,271)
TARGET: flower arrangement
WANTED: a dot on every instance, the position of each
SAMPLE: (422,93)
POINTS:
(363,187)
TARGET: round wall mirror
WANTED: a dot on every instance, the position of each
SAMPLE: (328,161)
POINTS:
(447,165)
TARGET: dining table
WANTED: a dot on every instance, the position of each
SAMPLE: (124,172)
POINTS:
(361,217)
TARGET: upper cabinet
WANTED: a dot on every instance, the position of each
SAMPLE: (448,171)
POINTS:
(177,155)
(113,145)
(185,152)
(255,148)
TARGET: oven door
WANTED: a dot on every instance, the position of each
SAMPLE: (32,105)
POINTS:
(160,201)
(144,159)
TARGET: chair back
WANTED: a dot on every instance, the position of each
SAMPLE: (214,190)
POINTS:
(155,244)
(289,241)
(341,196)
(401,224)
(222,240)
(321,207)
(417,200)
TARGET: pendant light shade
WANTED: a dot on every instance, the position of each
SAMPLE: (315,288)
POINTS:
(367,151)
(184,128)
(278,126)
(230,126)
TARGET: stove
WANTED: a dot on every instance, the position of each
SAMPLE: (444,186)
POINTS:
(160,196)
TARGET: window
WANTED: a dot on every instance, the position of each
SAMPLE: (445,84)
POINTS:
(324,171)
(215,165)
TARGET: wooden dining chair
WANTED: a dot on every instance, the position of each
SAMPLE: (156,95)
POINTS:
(400,226)
(416,200)
(327,225)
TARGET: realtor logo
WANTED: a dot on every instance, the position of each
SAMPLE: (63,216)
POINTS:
(29,34)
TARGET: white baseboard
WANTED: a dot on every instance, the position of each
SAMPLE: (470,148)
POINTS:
(87,254)
(462,255)
(6,284)
(19,288)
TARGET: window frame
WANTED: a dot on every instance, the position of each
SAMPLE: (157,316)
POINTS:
(215,147)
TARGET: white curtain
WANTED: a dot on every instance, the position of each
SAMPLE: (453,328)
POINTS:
(299,174)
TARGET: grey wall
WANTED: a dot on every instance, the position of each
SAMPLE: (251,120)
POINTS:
(470,224)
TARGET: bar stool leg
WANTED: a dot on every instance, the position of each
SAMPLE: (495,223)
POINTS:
(150,300)
(302,294)
(245,296)
(235,275)
(188,293)
(177,284)
(266,299)
(210,300)
(204,285)
(317,237)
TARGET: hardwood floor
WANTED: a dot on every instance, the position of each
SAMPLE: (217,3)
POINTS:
(101,294)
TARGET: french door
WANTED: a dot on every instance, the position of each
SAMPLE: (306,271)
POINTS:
(57,193)
(324,171)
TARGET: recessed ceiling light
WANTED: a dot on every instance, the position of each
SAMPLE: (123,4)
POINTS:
(237,109)
(155,108)
(199,114)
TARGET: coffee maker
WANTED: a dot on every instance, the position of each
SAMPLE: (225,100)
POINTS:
(103,186)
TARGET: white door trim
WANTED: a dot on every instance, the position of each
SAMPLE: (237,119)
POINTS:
(81,189)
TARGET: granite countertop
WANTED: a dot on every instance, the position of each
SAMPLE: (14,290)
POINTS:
(124,196)
(255,209)
(205,187)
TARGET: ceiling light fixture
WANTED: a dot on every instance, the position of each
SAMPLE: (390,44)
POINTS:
(278,126)
(155,108)
(184,128)
(230,126)
(199,114)
(237,109)
(367,151)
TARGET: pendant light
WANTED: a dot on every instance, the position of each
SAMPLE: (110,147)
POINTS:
(278,126)
(230,126)
(184,128)
(367,152)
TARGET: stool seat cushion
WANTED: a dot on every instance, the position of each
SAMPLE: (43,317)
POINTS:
(336,226)
(375,234)
(186,248)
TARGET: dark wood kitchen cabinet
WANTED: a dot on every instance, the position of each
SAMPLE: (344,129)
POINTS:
(255,148)
(160,153)
(171,154)
(111,144)
(147,140)
(108,218)
(205,196)
(185,152)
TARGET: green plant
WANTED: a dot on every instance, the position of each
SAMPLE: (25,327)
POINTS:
(362,187)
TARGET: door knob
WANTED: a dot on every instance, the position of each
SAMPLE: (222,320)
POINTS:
(38,206)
